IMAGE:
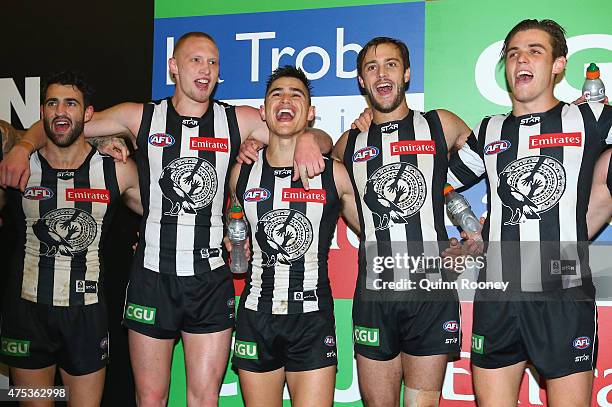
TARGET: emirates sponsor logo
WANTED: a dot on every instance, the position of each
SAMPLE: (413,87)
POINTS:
(301,195)
(209,144)
(413,147)
(88,195)
(556,140)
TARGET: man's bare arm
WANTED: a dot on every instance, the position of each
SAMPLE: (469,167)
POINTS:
(456,132)
(127,177)
(600,203)
(347,196)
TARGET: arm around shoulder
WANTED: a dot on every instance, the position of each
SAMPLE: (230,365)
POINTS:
(129,186)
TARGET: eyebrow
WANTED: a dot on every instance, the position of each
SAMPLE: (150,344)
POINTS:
(66,99)
(372,61)
(278,88)
(533,45)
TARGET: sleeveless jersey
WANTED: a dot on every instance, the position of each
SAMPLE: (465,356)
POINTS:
(398,170)
(183,181)
(539,169)
(62,219)
(291,232)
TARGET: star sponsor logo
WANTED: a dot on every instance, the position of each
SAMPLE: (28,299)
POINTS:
(190,122)
(530,121)
(555,140)
(88,195)
(413,147)
(283,172)
(65,175)
(301,195)
(161,140)
(497,147)
(209,144)
(38,193)
(389,128)
(365,154)
(582,358)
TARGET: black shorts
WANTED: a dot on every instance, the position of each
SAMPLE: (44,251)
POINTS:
(555,331)
(297,342)
(424,327)
(35,336)
(164,305)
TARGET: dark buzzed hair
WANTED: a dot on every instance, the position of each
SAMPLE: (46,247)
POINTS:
(192,34)
(374,42)
(289,71)
(74,78)
(554,30)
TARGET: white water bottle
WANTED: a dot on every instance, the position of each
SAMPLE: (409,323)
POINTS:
(237,230)
(461,214)
(593,88)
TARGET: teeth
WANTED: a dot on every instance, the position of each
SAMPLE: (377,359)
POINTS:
(524,73)
(281,111)
(384,85)
(204,81)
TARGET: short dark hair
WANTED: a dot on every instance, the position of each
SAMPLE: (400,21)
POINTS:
(289,71)
(73,78)
(374,42)
(554,30)
(192,34)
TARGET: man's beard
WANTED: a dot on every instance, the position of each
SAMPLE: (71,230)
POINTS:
(64,140)
(396,102)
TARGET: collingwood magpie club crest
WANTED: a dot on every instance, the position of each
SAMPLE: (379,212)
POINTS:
(530,186)
(189,183)
(66,231)
(394,193)
(284,235)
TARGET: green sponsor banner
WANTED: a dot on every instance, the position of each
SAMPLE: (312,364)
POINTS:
(458,33)
(366,336)
(187,8)
(140,313)
(246,350)
(15,347)
(478,344)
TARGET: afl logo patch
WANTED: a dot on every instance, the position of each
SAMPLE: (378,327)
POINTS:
(497,147)
(37,193)
(284,235)
(451,326)
(256,195)
(329,341)
(365,154)
(189,183)
(529,186)
(394,193)
(65,231)
(161,140)
(582,342)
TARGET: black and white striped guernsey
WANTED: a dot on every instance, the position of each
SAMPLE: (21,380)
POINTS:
(62,219)
(183,185)
(398,170)
(539,170)
(291,232)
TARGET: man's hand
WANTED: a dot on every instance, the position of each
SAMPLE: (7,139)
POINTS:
(247,247)
(364,120)
(113,146)
(249,151)
(307,158)
(15,167)
(582,99)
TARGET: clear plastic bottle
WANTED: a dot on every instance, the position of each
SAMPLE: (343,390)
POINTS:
(593,88)
(461,214)
(237,230)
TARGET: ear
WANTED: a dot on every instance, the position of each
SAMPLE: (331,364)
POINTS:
(89,113)
(262,112)
(361,82)
(42,112)
(559,65)
(172,66)
(311,113)
(406,75)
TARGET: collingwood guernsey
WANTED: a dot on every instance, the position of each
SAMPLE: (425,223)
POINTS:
(183,184)
(398,170)
(291,232)
(539,169)
(62,219)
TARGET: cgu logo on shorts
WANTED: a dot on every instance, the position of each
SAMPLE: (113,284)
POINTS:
(37,193)
(451,326)
(582,342)
(140,313)
(497,147)
(256,195)
(366,336)
(15,347)
(161,140)
(365,154)
(246,350)
(478,344)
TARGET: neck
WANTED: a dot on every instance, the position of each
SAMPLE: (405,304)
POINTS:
(399,113)
(535,106)
(186,106)
(280,150)
(66,158)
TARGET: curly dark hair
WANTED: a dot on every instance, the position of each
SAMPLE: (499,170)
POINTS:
(554,30)
(74,78)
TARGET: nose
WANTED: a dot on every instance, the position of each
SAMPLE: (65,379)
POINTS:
(382,71)
(204,67)
(522,57)
(61,109)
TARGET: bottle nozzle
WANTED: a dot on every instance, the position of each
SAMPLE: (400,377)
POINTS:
(447,189)
(592,71)
(236,212)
